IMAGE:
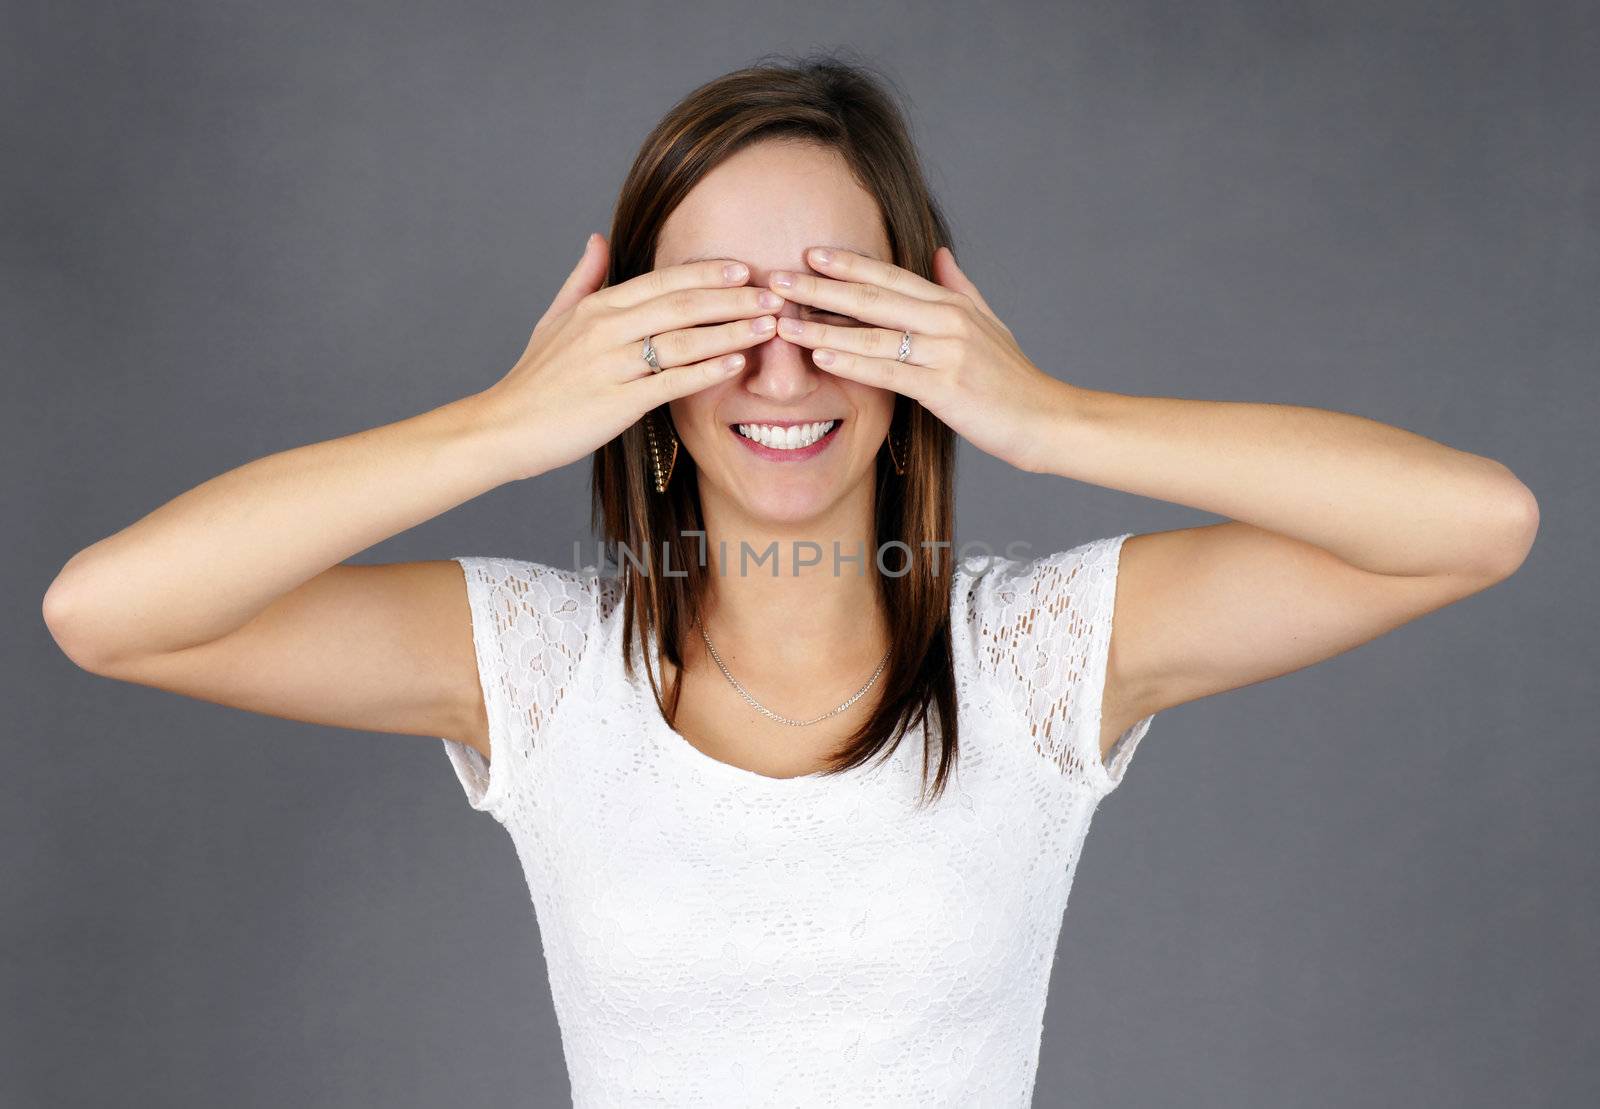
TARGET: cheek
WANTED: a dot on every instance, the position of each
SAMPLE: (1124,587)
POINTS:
(689,414)
(875,406)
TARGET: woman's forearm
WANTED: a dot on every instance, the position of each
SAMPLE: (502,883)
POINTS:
(208,561)
(1379,497)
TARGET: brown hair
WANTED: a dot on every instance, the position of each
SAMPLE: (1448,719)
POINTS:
(846,107)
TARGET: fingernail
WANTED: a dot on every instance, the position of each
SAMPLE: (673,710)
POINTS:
(732,363)
(782,278)
(823,357)
(822,255)
(762,325)
(769,299)
(735,271)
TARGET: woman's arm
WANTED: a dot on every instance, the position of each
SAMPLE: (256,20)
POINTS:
(1341,529)
(1380,498)
(209,561)
(235,591)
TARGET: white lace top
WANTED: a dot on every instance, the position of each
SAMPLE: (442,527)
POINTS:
(719,937)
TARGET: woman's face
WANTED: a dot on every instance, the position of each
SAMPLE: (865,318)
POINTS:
(765,206)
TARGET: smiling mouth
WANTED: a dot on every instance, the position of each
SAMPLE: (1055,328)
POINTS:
(791,437)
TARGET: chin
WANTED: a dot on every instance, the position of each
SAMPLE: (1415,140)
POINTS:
(788,507)
(784,496)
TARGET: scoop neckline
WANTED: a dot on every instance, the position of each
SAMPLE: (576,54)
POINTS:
(664,737)
(677,745)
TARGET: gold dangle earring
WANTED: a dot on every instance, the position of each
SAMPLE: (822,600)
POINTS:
(654,440)
(898,453)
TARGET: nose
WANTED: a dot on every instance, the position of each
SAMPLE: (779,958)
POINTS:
(779,370)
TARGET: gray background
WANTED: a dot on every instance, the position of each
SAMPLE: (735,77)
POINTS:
(230,230)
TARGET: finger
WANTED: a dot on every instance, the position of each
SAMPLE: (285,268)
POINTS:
(869,303)
(659,388)
(688,307)
(951,276)
(882,373)
(847,265)
(696,344)
(587,276)
(717,273)
(871,342)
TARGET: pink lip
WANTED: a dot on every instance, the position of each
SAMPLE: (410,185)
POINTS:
(800,454)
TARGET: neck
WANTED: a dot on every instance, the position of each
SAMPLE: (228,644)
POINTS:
(800,619)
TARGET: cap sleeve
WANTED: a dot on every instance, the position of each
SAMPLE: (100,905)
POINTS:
(531,624)
(1043,634)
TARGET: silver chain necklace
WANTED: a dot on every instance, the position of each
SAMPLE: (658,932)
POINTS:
(764,711)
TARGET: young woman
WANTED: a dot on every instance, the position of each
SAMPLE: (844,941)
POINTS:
(798,794)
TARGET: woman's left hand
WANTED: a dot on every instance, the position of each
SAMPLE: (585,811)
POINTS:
(965,366)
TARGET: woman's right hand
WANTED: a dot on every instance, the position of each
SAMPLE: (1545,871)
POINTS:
(583,379)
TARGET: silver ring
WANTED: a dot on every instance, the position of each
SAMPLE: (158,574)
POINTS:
(905,347)
(650,355)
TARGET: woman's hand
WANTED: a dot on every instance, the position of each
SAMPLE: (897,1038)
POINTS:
(964,367)
(583,379)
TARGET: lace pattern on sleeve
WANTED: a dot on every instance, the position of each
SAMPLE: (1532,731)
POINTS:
(531,624)
(1043,631)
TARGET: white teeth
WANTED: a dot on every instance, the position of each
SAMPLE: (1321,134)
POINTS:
(786,438)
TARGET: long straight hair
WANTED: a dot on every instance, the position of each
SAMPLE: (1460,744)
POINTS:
(847,108)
